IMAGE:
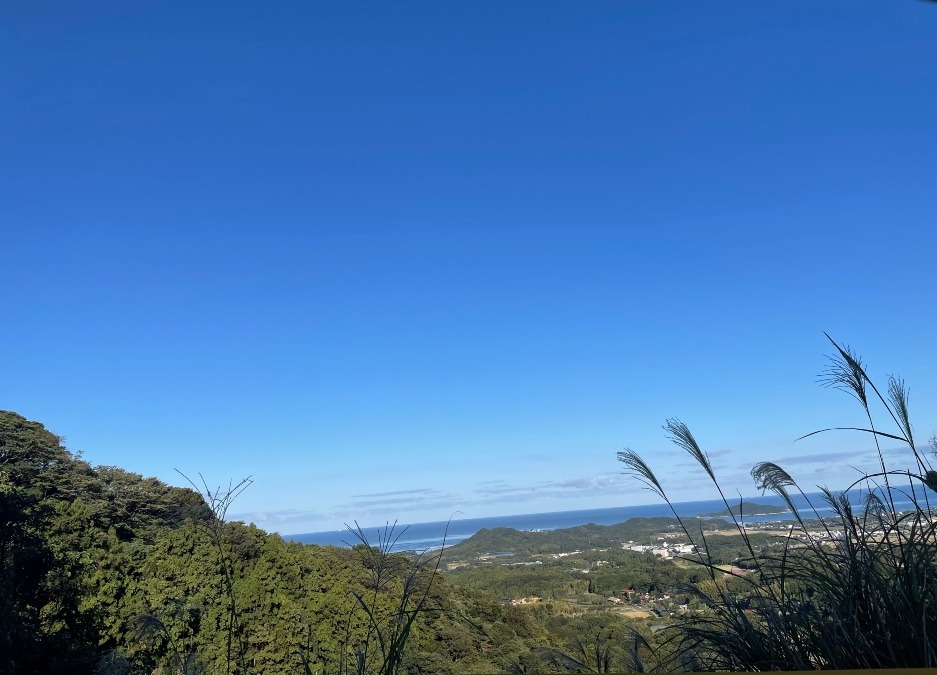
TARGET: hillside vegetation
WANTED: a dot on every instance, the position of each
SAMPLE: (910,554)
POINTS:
(104,571)
(860,591)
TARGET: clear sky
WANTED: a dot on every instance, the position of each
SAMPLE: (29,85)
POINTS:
(405,260)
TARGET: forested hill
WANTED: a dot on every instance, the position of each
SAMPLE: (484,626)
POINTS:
(41,472)
(65,550)
(519,542)
(105,571)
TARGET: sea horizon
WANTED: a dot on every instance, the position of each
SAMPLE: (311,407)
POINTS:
(422,536)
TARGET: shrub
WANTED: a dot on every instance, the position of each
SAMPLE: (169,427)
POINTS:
(855,590)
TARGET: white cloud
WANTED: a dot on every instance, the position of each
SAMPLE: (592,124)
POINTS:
(273,519)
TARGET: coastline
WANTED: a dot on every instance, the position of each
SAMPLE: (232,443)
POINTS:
(433,535)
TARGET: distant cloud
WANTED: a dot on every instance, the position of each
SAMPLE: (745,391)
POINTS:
(399,501)
(362,507)
(905,453)
(679,472)
(418,491)
(822,457)
(591,483)
(491,488)
(587,486)
(677,465)
(273,518)
(527,495)
(850,458)
(690,466)
(724,452)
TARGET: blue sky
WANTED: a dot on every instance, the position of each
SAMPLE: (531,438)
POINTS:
(400,261)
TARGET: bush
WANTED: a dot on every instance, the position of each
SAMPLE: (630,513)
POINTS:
(856,590)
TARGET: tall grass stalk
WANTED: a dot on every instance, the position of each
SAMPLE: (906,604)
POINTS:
(219,500)
(855,590)
(388,628)
(418,576)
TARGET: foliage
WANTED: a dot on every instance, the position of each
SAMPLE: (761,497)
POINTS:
(42,629)
(388,629)
(103,570)
(219,502)
(504,539)
(565,578)
(859,592)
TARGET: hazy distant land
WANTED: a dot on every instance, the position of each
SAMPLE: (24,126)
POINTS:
(747,509)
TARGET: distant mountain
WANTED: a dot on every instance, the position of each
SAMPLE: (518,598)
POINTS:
(518,542)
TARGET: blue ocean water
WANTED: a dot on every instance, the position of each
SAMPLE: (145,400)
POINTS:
(425,536)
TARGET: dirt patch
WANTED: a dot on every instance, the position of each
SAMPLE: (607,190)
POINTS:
(732,569)
(634,613)
(773,533)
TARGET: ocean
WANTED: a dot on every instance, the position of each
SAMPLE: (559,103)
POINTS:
(427,536)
